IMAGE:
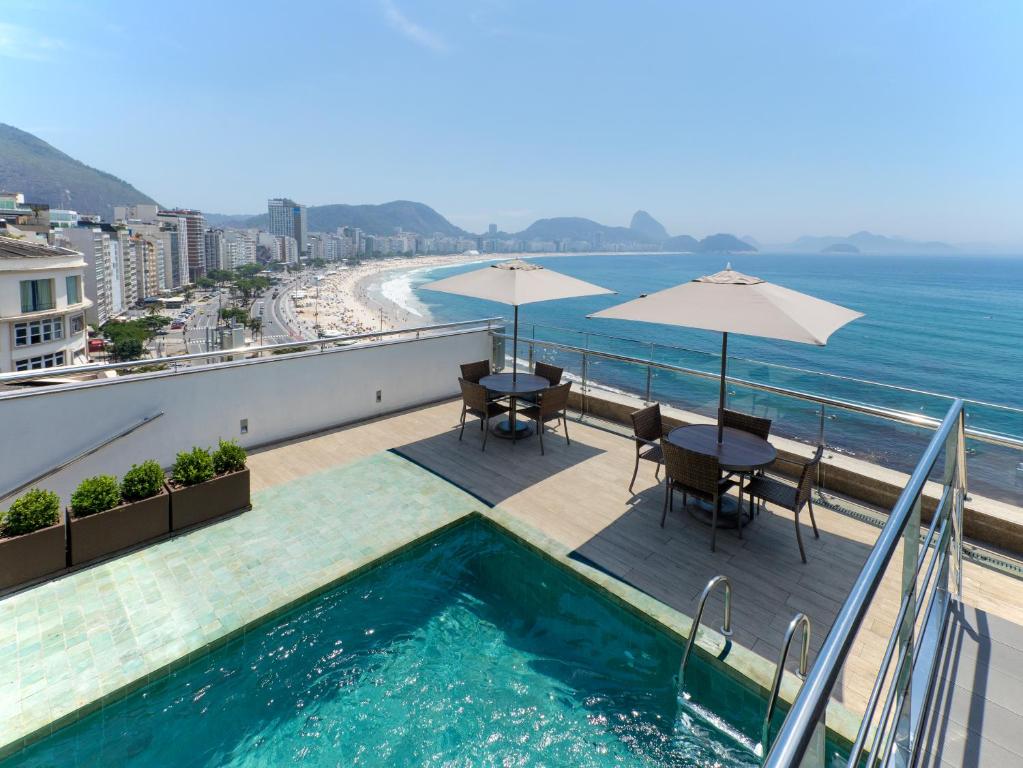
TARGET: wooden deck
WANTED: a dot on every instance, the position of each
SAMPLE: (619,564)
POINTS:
(578,494)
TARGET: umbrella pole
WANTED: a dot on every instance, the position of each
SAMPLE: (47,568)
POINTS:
(721,392)
(515,346)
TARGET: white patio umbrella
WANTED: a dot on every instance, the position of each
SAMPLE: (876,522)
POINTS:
(730,302)
(515,282)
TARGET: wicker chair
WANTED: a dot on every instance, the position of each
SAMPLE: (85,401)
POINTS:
(697,474)
(473,372)
(790,497)
(755,425)
(647,431)
(551,406)
(550,372)
(475,402)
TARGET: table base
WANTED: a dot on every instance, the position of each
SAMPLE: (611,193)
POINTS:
(503,429)
(728,516)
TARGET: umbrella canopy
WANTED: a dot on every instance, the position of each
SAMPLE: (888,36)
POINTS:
(731,302)
(515,282)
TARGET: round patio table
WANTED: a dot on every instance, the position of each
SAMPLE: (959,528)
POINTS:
(514,387)
(738,451)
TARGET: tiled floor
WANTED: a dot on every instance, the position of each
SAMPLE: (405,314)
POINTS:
(83,637)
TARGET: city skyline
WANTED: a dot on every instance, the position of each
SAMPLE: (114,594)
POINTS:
(775,123)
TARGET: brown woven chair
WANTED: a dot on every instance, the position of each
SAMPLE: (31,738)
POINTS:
(755,425)
(550,406)
(473,372)
(475,402)
(790,497)
(550,372)
(699,475)
(647,431)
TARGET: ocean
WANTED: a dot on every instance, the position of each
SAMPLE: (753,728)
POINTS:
(946,324)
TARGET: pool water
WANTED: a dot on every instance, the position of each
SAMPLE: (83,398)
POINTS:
(468,650)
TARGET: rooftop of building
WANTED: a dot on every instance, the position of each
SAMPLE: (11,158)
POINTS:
(24,248)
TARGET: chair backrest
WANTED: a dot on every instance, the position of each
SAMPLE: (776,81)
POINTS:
(555,399)
(646,424)
(696,471)
(550,372)
(473,395)
(755,425)
(807,476)
(473,372)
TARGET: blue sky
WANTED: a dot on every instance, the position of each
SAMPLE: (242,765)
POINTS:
(772,119)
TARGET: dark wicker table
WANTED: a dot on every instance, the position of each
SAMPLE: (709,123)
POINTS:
(514,387)
(738,451)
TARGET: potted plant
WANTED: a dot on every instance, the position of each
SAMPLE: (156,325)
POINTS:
(32,542)
(106,517)
(205,485)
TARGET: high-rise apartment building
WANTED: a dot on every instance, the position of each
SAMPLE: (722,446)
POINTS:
(42,305)
(287,219)
(215,253)
(100,272)
(191,226)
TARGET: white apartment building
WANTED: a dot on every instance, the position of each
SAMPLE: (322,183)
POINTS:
(42,306)
(239,248)
(102,272)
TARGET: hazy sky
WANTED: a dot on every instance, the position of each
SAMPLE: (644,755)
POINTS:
(771,119)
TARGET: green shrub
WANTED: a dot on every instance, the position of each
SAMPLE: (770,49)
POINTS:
(36,509)
(142,481)
(95,494)
(229,457)
(194,466)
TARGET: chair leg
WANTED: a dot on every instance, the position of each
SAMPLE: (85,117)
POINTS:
(539,431)
(809,505)
(714,523)
(738,511)
(486,432)
(462,430)
(799,536)
(565,422)
(634,472)
(667,496)
(657,471)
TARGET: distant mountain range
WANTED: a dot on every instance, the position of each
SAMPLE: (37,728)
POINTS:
(865,242)
(46,175)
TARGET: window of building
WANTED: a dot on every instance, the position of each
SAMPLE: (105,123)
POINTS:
(37,295)
(43,361)
(74,289)
(77,324)
(38,331)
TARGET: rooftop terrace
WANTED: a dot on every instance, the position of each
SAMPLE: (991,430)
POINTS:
(328,503)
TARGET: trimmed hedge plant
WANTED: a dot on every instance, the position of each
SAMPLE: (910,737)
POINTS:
(142,481)
(193,467)
(35,510)
(95,494)
(229,457)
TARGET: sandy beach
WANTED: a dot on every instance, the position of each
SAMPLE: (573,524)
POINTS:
(354,300)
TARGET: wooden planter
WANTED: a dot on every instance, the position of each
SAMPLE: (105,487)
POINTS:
(124,526)
(192,505)
(32,556)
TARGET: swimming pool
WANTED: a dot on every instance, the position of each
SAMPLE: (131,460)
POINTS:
(469,649)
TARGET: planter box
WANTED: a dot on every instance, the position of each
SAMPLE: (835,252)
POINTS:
(194,504)
(32,555)
(127,525)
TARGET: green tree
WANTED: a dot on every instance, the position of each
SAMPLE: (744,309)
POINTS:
(128,349)
(237,314)
(249,270)
(206,283)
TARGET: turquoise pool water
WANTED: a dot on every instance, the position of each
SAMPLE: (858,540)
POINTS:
(469,650)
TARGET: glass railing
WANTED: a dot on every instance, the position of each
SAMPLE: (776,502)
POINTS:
(882,424)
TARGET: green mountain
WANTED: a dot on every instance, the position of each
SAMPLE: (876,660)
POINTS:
(44,174)
(575,228)
(383,219)
(649,228)
(683,243)
(723,243)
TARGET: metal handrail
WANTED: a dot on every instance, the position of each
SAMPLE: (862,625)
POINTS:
(81,455)
(781,366)
(808,708)
(800,619)
(890,414)
(19,376)
(726,627)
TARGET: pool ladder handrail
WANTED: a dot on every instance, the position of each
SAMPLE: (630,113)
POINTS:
(726,628)
(804,665)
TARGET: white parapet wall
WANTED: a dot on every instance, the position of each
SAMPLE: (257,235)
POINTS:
(279,397)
